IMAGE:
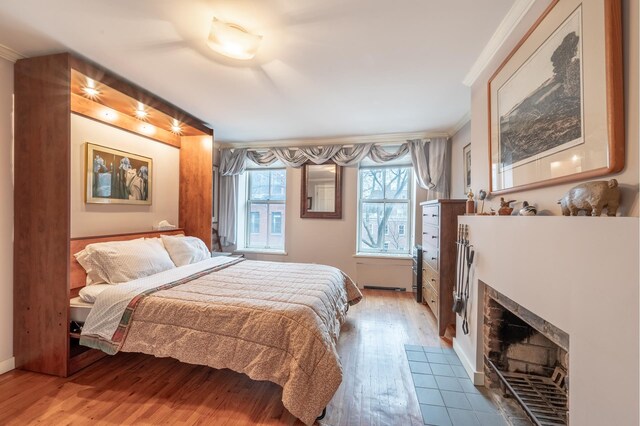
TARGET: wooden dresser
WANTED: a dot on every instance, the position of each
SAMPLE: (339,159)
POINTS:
(439,233)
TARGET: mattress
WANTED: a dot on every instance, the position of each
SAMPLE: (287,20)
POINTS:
(79,309)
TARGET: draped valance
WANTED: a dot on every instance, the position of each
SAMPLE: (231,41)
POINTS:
(428,157)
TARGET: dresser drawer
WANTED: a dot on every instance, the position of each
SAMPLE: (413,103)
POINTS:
(430,256)
(430,297)
(431,277)
(431,215)
(431,236)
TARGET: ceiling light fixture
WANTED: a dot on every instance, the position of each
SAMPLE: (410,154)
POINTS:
(175,127)
(90,89)
(147,129)
(232,40)
(140,112)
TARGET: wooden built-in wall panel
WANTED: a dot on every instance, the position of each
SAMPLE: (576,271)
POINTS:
(196,187)
(41,215)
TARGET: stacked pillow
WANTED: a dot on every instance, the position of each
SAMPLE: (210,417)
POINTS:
(123,261)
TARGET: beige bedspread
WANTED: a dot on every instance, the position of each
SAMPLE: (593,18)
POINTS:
(272,321)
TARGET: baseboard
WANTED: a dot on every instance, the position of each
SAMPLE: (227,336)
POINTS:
(7,365)
(477,377)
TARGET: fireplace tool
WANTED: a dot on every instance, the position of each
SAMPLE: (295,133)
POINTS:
(464,262)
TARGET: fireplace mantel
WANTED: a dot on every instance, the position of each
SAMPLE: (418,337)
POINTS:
(581,274)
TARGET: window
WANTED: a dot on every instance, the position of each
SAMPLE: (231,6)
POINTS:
(384,209)
(255,222)
(266,197)
(276,223)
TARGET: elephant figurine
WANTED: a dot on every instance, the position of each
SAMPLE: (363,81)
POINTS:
(592,197)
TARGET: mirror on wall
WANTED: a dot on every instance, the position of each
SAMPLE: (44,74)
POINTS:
(321,191)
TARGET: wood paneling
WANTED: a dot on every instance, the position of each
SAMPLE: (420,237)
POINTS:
(41,215)
(78,276)
(377,388)
(109,80)
(196,187)
(90,109)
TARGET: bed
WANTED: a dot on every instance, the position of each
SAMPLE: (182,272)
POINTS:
(269,320)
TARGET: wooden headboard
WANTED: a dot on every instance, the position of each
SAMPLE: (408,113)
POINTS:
(78,276)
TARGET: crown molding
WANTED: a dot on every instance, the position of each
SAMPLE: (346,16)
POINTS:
(461,123)
(10,54)
(389,138)
(497,40)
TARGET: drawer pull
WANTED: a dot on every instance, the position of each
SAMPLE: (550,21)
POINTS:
(433,258)
(434,215)
(434,236)
(433,300)
(433,279)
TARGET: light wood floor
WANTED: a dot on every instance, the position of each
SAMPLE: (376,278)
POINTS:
(377,388)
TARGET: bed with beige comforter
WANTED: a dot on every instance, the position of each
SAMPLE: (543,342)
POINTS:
(271,321)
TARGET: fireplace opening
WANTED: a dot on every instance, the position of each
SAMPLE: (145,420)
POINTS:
(526,357)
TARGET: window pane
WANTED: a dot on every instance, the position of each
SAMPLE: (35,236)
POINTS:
(258,225)
(371,183)
(396,216)
(397,183)
(276,235)
(278,184)
(259,184)
(371,226)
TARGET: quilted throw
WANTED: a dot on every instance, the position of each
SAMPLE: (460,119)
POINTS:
(269,320)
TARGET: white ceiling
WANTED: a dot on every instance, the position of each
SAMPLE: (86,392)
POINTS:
(325,68)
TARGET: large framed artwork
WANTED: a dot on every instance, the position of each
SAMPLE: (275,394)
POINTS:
(117,177)
(556,111)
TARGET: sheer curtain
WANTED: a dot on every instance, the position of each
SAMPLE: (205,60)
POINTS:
(429,158)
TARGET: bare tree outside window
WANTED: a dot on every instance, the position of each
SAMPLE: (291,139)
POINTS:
(385,194)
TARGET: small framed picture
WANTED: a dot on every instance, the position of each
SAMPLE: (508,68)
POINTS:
(117,177)
(466,158)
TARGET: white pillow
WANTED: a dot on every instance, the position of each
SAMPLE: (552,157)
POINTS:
(94,274)
(185,250)
(89,293)
(124,261)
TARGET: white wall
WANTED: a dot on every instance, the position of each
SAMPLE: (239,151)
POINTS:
(458,142)
(6,217)
(98,219)
(546,198)
(557,268)
(333,241)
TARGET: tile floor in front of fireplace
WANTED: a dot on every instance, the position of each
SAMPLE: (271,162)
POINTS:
(447,396)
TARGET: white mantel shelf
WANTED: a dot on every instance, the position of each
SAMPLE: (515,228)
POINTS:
(580,274)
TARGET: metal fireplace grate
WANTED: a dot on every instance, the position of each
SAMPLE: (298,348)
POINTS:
(542,398)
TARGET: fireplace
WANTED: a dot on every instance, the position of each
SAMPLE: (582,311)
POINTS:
(526,357)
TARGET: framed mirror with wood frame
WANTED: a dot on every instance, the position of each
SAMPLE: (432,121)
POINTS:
(321,194)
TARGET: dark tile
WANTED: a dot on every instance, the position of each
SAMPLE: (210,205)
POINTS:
(433,350)
(413,348)
(463,417)
(429,396)
(416,356)
(459,371)
(468,386)
(480,402)
(442,370)
(455,400)
(448,383)
(453,359)
(437,358)
(419,367)
(434,415)
(491,419)
(424,381)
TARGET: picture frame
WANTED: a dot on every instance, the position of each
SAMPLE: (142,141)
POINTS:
(466,167)
(555,114)
(113,176)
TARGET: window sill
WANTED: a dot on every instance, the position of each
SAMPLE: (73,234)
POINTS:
(258,251)
(384,256)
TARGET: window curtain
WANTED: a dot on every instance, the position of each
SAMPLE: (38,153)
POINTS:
(428,157)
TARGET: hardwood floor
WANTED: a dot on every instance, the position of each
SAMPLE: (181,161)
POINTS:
(377,388)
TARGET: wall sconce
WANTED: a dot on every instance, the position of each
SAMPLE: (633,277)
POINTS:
(140,112)
(90,89)
(232,40)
